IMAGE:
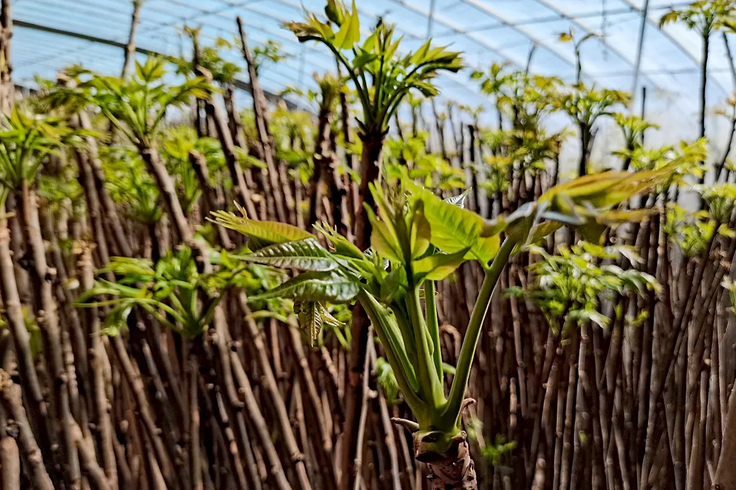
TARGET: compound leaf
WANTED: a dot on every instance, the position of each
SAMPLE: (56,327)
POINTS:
(314,286)
(305,255)
(261,233)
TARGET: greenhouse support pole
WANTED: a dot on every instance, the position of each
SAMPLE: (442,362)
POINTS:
(430,18)
(643,111)
(640,45)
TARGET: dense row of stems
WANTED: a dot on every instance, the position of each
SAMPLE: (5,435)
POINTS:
(246,405)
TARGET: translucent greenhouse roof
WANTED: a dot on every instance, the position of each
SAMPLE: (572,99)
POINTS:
(51,34)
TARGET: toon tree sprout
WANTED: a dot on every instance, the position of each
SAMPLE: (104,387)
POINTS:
(419,239)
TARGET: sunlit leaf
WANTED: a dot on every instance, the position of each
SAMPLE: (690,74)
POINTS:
(564,37)
(668,18)
(335,11)
(545,229)
(383,239)
(421,233)
(314,286)
(349,32)
(454,228)
(615,217)
(262,232)
(306,255)
(341,244)
(608,188)
(420,54)
(394,285)
(436,267)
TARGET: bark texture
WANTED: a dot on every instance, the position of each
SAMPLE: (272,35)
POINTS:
(7,89)
(455,471)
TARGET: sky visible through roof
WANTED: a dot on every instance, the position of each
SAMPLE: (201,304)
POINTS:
(487,31)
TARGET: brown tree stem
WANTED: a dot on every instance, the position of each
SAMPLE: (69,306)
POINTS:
(21,341)
(725,476)
(146,414)
(48,320)
(9,464)
(260,110)
(130,46)
(7,89)
(11,398)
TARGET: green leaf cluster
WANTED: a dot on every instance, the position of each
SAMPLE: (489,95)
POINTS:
(218,68)
(569,287)
(704,16)
(587,103)
(517,152)
(429,168)
(493,453)
(135,106)
(525,98)
(172,290)
(27,139)
(633,128)
(377,59)
(177,144)
(590,203)
(130,185)
(691,231)
(720,200)
(418,238)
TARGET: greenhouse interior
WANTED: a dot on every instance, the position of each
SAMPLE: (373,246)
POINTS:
(351,245)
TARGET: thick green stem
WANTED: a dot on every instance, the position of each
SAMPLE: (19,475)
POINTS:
(429,382)
(472,334)
(433,326)
(430,388)
(406,334)
(378,319)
